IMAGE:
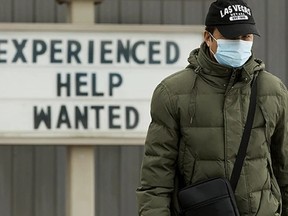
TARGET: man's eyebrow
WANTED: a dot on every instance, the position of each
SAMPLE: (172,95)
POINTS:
(239,37)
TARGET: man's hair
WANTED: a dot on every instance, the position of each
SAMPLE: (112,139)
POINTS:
(210,29)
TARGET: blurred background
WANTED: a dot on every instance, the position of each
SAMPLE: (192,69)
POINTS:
(32,178)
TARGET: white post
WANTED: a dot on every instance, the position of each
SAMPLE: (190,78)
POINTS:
(80,181)
(81,11)
(80,196)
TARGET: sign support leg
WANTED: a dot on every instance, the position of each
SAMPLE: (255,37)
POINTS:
(81,11)
(80,181)
(81,162)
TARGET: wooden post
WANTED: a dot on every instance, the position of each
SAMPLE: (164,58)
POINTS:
(80,197)
(81,11)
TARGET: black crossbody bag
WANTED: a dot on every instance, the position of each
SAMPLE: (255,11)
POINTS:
(215,197)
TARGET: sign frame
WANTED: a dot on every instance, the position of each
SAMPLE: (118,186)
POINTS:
(118,139)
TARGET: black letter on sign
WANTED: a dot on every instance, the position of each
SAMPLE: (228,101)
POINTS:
(91,52)
(42,116)
(3,51)
(113,116)
(123,51)
(66,84)
(114,82)
(63,117)
(73,53)
(80,83)
(169,59)
(97,115)
(153,51)
(129,123)
(39,48)
(134,56)
(104,50)
(81,117)
(54,51)
(19,53)
(94,85)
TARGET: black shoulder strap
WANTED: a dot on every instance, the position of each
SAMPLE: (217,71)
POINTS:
(246,136)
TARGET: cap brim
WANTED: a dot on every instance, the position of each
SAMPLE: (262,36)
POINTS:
(232,31)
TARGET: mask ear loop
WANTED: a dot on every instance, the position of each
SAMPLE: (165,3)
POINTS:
(212,36)
(213,39)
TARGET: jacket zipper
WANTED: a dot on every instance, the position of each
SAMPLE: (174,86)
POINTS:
(231,81)
(229,87)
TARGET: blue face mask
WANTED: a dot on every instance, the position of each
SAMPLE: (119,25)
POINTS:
(233,53)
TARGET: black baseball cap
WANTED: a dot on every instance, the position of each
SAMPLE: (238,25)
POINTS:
(232,18)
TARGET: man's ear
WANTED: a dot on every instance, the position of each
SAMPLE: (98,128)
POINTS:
(207,38)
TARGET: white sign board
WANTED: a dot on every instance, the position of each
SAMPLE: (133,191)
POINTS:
(59,86)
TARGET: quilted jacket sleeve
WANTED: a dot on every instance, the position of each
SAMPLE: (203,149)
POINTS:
(158,166)
(279,150)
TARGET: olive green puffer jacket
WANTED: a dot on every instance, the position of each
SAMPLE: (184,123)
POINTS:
(198,115)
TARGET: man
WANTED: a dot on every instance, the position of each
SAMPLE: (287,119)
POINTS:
(198,115)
